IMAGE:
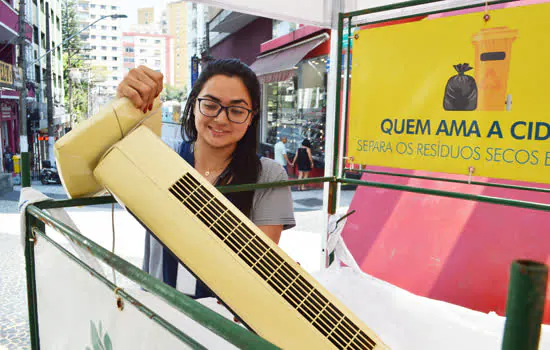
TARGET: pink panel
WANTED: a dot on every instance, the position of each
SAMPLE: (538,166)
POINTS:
(447,249)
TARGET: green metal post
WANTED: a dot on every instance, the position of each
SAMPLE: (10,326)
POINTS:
(25,170)
(525,305)
(333,187)
(31,279)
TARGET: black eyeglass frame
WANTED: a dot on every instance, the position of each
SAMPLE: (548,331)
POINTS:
(226,108)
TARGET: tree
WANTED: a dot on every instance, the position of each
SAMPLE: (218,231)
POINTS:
(76,88)
(173,93)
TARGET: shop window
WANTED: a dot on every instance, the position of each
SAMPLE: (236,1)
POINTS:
(296,108)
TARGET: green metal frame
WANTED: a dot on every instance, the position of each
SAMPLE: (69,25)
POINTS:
(527,290)
(516,332)
(36,219)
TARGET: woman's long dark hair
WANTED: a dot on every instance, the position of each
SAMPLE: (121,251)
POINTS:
(245,165)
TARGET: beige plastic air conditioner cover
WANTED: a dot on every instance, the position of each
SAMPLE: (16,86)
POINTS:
(78,152)
(269,291)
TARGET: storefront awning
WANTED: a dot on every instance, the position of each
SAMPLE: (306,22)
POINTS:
(280,65)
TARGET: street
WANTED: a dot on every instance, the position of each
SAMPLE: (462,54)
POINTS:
(302,243)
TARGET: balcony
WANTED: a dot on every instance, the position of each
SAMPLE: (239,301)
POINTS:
(9,23)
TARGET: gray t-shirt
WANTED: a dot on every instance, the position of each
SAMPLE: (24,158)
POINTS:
(270,206)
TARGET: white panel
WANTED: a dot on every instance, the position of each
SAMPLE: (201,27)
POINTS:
(313,12)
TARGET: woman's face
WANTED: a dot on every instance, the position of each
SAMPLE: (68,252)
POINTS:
(220,132)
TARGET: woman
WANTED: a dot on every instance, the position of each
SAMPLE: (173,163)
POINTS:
(305,161)
(219,129)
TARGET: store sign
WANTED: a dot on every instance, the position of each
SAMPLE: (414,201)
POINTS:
(6,73)
(455,95)
(194,69)
(5,111)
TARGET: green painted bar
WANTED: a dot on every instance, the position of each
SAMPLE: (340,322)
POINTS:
(458,8)
(256,186)
(513,187)
(138,305)
(525,305)
(390,7)
(25,170)
(32,301)
(333,187)
(67,203)
(218,324)
(466,196)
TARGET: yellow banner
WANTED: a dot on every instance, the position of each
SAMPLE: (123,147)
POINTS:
(6,73)
(454,93)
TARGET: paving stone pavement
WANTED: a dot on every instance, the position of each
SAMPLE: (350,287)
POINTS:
(14,330)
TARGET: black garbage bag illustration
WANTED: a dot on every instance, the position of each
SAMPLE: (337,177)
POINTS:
(461,91)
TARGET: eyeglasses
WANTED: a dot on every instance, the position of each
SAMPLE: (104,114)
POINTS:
(213,109)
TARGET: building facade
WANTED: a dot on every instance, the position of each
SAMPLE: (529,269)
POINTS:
(177,24)
(146,15)
(43,20)
(103,43)
(149,49)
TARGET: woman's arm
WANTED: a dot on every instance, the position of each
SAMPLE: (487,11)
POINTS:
(272,231)
(294,160)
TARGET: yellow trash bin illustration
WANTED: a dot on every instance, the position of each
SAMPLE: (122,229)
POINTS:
(16,163)
(493,51)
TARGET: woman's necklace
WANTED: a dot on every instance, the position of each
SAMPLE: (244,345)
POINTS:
(211,171)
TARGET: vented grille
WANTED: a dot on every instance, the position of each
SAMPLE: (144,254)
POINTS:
(273,269)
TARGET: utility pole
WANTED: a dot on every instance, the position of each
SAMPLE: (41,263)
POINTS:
(49,92)
(23,141)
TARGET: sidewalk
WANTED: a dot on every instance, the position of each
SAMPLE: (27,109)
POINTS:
(301,243)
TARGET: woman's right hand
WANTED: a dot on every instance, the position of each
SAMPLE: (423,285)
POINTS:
(141,86)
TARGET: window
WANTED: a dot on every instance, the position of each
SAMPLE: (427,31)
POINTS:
(142,50)
(157,41)
(128,59)
(114,68)
(93,27)
(115,78)
(143,41)
(103,37)
(113,27)
(114,38)
(104,58)
(114,8)
(93,57)
(113,48)
(93,36)
(93,16)
(104,47)
(35,34)
(115,58)
(92,6)
(103,27)
(58,23)
(53,45)
(94,47)
(129,49)
(103,7)
(157,62)
(59,52)
(296,108)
